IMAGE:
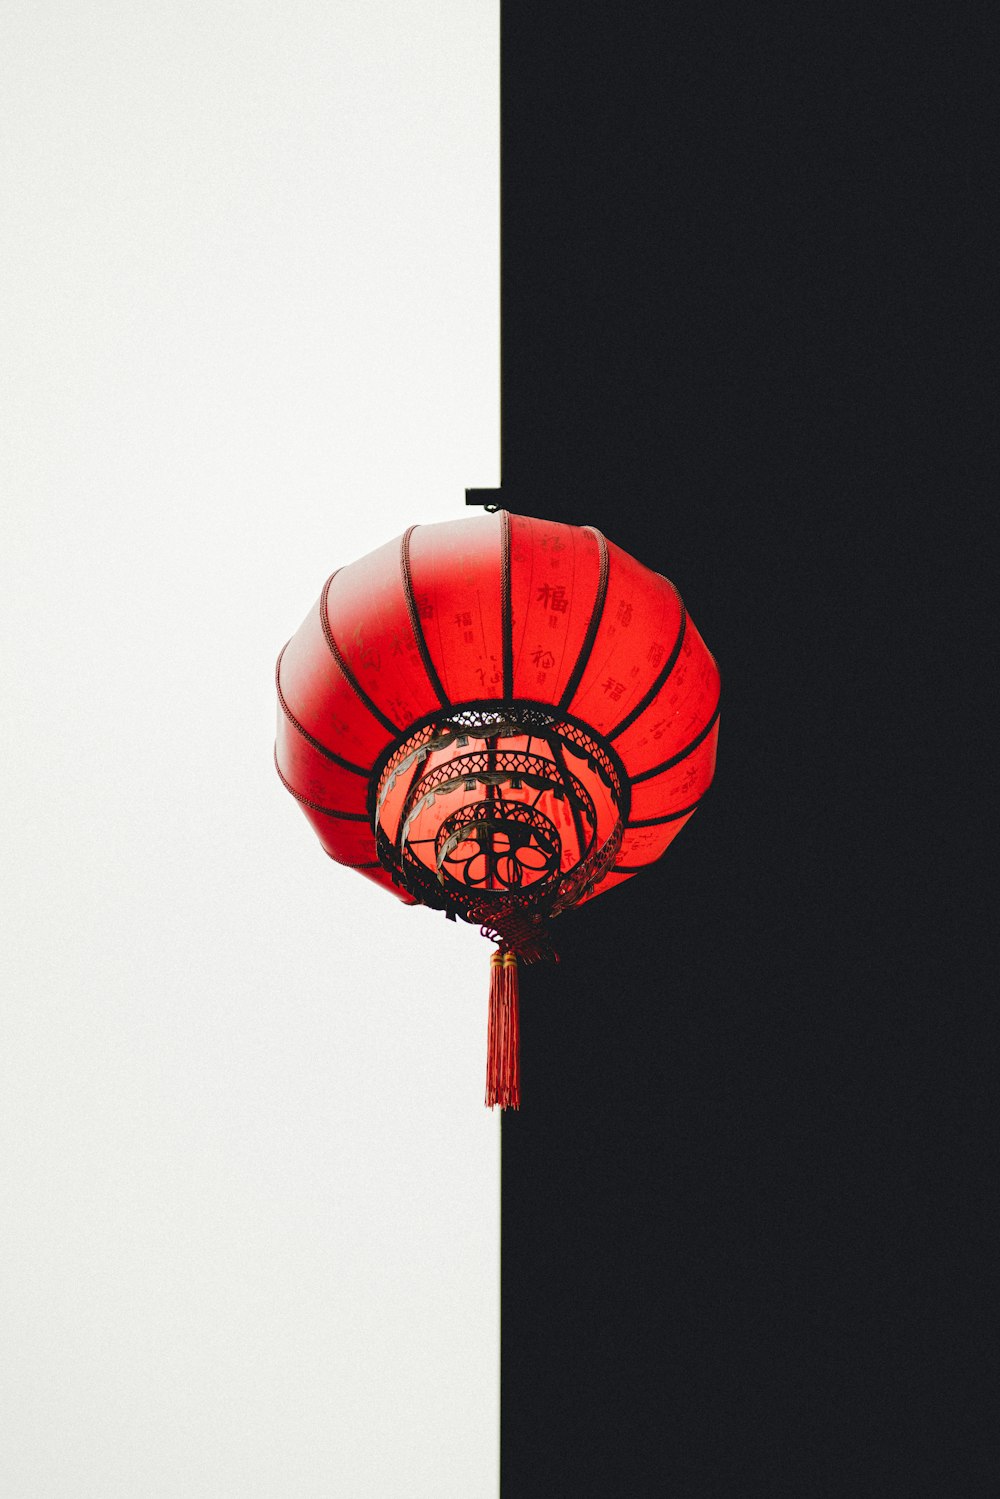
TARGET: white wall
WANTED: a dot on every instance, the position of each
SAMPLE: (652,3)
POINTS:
(248,331)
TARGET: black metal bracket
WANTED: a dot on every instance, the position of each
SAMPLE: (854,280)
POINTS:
(489,498)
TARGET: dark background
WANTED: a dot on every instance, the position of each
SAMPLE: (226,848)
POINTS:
(747,1202)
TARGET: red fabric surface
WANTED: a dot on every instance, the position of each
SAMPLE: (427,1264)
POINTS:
(456,583)
(554,572)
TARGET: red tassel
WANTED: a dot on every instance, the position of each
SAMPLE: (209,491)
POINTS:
(503,1069)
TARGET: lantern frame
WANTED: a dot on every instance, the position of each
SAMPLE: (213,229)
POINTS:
(492,719)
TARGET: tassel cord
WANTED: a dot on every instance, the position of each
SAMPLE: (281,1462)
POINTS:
(503,1075)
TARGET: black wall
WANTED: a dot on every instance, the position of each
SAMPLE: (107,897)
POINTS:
(744,1211)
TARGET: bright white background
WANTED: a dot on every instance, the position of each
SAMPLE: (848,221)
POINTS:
(248,331)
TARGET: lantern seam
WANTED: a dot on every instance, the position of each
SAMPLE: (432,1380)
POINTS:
(661,681)
(415,625)
(652,822)
(358,770)
(597,612)
(315,806)
(348,674)
(647,775)
(506,620)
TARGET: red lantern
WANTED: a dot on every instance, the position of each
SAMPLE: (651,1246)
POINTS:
(498,717)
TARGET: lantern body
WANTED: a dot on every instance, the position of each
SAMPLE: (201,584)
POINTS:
(499,717)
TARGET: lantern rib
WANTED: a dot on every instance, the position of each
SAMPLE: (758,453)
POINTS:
(349,677)
(315,806)
(358,770)
(661,680)
(593,626)
(506,620)
(414,613)
(374,864)
(653,822)
(647,775)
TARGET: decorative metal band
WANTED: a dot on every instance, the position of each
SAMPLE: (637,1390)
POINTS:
(502,720)
(655,822)
(647,775)
(586,745)
(582,880)
(507,628)
(358,770)
(315,806)
(654,691)
(498,768)
(414,613)
(488,718)
(595,621)
(349,677)
(412,752)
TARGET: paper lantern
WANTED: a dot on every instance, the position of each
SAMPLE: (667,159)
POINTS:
(499,717)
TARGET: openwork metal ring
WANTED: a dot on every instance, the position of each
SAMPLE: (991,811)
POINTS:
(554,745)
(498,845)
